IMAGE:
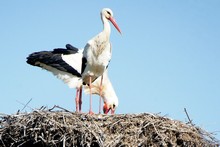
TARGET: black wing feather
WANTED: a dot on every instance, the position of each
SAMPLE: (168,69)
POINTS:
(69,50)
(54,59)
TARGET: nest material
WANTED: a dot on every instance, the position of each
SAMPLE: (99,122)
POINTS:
(64,128)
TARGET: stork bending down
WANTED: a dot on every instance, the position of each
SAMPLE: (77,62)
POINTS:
(108,93)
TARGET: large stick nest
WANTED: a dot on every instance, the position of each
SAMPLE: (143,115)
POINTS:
(64,128)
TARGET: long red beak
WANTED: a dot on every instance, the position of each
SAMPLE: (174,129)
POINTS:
(115,24)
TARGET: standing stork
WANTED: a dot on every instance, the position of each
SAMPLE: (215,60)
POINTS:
(97,54)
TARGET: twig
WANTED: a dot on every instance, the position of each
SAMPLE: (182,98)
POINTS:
(64,141)
(56,106)
(25,105)
(190,121)
(2,141)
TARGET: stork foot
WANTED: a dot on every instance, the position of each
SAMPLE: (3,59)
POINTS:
(90,112)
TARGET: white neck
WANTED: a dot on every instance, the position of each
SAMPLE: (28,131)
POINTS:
(106,26)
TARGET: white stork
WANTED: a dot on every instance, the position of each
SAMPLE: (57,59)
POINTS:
(97,54)
(108,93)
(66,64)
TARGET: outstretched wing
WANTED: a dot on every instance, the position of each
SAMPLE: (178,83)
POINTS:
(65,63)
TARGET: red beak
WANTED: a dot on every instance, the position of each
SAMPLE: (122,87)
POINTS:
(115,24)
(105,108)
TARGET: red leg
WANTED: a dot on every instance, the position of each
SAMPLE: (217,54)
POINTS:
(90,88)
(77,100)
(100,94)
(80,98)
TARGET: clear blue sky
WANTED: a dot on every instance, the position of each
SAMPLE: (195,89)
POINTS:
(167,59)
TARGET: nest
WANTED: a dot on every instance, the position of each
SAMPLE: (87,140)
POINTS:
(65,128)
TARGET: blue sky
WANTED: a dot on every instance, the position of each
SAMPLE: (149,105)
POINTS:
(167,59)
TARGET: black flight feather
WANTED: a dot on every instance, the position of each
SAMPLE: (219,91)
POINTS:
(54,59)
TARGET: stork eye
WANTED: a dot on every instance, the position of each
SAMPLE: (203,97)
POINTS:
(113,106)
(108,12)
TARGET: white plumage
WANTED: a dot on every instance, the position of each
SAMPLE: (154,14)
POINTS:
(69,79)
(76,67)
(97,52)
(108,93)
(66,65)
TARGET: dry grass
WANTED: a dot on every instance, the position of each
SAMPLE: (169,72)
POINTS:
(64,128)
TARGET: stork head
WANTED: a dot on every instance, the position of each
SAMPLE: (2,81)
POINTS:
(108,14)
(110,106)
